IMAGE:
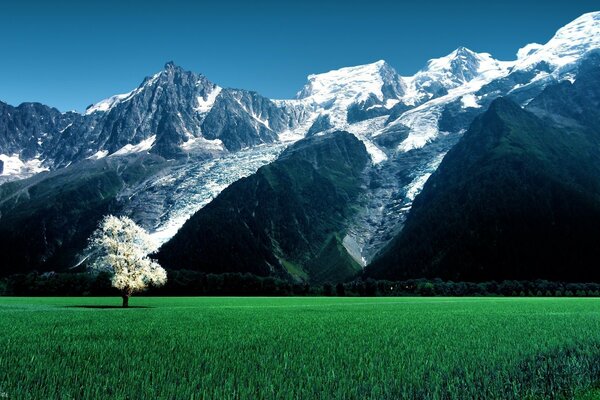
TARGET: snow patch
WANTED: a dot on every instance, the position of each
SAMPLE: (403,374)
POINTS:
(528,50)
(107,104)
(469,101)
(389,103)
(142,146)
(98,155)
(66,127)
(205,105)
(570,78)
(202,143)
(13,166)
(416,186)
(377,155)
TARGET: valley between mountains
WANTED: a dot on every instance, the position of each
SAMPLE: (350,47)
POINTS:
(471,169)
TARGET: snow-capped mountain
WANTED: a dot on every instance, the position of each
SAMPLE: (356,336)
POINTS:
(446,96)
(208,136)
(566,47)
(353,94)
(172,113)
(185,112)
(443,74)
(24,130)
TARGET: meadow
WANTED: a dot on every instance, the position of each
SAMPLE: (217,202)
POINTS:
(299,348)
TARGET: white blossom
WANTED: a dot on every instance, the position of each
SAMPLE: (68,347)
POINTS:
(121,247)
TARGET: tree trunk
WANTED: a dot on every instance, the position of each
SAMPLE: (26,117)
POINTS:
(125,300)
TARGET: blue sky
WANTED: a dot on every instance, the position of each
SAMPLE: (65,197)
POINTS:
(70,54)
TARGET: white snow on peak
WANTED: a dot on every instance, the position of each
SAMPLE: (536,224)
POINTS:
(448,72)
(422,121)
(345,85)
(107,104)
(333,92)
(461,56)
(144,145)
(205,105)
(528,50)
(568,45)
(464,72)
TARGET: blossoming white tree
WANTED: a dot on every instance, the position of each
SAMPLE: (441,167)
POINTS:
(121,247)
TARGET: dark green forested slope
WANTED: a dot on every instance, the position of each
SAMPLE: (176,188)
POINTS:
(516,198)
(45,220)
(285,220)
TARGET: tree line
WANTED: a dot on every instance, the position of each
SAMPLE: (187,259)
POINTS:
(193,283)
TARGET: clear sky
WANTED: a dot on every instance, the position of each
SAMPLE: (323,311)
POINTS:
(69,54)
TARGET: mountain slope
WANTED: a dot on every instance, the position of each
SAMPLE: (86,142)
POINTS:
(353,94)
(516,198)
(45,220)
(213,136)
(286,220)
(24,130)
(173,113)
(573,102)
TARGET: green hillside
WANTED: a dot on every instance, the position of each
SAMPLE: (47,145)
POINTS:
(286,220)
(516,198)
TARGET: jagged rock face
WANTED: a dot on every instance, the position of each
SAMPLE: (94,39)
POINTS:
(322,123)
(166,99)
(242,119)
(168,110)
(573,103)
(26,130)
(164,106)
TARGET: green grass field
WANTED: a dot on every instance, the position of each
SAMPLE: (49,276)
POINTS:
(299,348)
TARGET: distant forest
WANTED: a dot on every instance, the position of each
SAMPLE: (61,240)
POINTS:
(193,283)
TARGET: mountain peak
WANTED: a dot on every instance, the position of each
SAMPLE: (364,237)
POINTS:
(458,67)
(461,58)
(351,82)
(171,75)
(380,64)
(569,44)
(464,52)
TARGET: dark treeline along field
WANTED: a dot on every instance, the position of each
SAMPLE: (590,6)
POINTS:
(194,283)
